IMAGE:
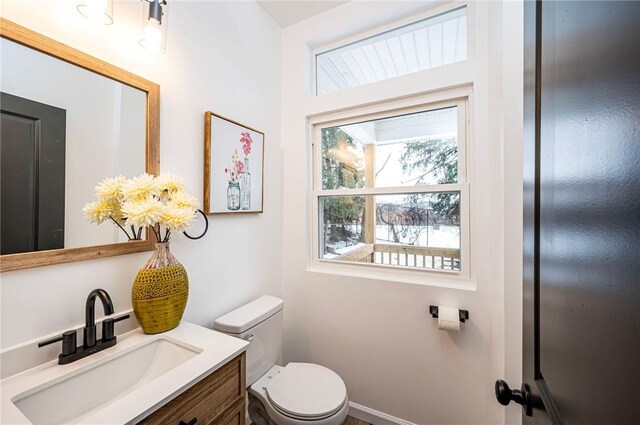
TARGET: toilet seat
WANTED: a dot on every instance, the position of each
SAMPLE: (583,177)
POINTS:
(307,391)
(286,416)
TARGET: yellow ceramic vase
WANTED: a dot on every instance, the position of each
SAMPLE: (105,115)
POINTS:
(160,291)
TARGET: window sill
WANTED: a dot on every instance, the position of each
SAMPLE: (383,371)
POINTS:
(441,279)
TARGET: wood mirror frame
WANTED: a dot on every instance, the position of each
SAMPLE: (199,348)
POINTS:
(33,40)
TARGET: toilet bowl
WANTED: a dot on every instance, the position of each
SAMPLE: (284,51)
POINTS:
(295,394)
(299,393)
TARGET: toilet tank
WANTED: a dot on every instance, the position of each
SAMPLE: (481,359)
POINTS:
(260,323)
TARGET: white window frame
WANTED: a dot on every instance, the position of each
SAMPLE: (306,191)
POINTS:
(393,25)
(447,278)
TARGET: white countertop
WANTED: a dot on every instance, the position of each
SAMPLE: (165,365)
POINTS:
(216,350)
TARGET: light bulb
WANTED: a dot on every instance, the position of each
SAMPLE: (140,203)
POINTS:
(152,36)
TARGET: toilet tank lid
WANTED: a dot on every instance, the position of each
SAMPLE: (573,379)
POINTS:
(244,318)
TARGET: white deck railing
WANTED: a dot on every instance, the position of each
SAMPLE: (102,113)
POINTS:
(405,255)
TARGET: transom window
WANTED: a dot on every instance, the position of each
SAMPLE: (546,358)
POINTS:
(389,190)
(429,43)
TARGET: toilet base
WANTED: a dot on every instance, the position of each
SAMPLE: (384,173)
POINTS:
(257,413)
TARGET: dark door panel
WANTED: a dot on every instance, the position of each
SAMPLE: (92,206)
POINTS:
(581,283)
(18,183)
(590,209)
(33,149)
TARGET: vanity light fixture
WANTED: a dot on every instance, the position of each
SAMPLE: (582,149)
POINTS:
(98,11)
(154,33)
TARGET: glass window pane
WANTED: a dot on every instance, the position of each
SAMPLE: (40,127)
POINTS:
(343,161)
(429,43)
(406,150)
(419,230)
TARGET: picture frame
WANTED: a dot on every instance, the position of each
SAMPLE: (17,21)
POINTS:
(233,167)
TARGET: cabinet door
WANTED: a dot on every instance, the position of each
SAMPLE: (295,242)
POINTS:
(236,417)
(209,401)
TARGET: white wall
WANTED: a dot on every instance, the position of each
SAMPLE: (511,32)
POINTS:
(221,56)
(376,333)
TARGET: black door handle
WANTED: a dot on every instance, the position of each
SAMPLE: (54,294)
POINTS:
(191,422)
(506,395)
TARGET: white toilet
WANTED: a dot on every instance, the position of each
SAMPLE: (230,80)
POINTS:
(296,394)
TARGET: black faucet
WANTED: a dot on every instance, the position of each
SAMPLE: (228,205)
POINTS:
(89,330)
(71,353)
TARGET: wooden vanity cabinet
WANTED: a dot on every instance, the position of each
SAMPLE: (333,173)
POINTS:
(219,399)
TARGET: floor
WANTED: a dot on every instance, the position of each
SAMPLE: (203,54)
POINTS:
(353,421)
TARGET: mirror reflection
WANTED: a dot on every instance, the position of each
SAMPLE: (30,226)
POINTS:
(63,129)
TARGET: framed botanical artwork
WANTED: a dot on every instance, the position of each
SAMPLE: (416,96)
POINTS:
(233,166)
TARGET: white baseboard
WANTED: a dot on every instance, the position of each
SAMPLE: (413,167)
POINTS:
(373,416)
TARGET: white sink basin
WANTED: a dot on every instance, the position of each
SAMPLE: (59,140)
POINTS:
(88,390)
(120,385)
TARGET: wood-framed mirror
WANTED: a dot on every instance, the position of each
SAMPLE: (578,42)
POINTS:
(69,120)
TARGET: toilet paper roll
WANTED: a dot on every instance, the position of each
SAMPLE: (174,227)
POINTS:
(448,319)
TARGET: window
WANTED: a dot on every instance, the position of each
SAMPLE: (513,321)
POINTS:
(390,189)
(430,43)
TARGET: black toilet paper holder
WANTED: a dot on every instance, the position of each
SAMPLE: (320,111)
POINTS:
(464,314)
